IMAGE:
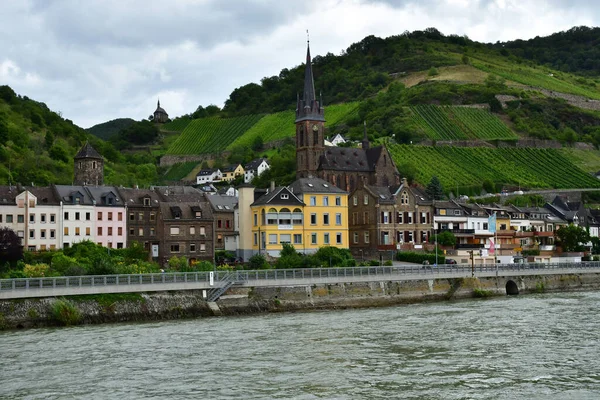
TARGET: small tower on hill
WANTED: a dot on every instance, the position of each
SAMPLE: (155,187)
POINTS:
(89,167)
(160,115)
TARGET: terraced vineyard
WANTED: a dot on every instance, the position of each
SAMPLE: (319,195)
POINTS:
(179,171)
(459,123)
(281,125)
(176,126)
(209,135)
(527,167)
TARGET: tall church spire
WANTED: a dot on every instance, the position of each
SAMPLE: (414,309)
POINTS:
(309,84)
(309,107)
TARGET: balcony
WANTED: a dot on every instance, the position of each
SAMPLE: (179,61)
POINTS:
(544,234)
(523,234)
(505,232)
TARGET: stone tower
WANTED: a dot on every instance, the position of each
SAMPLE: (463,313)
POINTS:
(89,167)
(310,120)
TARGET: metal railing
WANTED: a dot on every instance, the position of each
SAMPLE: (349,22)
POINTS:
(270,277)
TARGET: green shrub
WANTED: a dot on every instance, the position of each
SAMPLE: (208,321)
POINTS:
(258,261)
(65,312)
(481,293)
(418,258)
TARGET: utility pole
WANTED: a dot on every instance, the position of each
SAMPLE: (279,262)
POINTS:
(472,264)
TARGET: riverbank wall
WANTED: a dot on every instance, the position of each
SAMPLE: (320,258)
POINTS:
(131,307)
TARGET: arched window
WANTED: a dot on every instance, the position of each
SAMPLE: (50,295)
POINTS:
(272,216)
(297,216)
(285,216)
(263,217)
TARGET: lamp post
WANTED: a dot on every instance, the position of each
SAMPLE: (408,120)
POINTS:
(436,245)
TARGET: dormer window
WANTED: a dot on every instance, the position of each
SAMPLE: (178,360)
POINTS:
(198,214)
(146,201)
(285,196)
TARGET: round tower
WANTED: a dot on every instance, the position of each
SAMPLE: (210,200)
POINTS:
(89,167)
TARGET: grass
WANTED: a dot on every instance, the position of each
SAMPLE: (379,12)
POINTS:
(587,160)
(456,73)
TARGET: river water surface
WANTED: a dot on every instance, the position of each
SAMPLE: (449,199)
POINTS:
(521,347)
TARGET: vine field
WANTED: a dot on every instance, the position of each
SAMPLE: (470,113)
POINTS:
(467,166)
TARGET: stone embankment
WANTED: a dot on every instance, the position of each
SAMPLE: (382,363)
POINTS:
(97,309)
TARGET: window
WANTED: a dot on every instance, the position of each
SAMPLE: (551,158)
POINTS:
(120,216)
(32,218)
(140,231)
(338,238)
(400,218)
(285,196)
(199,215)
(220,238)
(21,234)
(313,219)
(131,231)
(52,234)
(227,224)
(385,217)
(152,231)
(338,218)
(255,219)
(255,239)
(366,217)
(192,247)
(140,216)
(66,231)
(110,231)
(174,230)
(43,234)
(132,216)
(338,201)
(297,238)
(313,200)
(99,231)
(313,238)
(31,234)
(99,216)
(218,223)
(146,201)
(355,200)
(110,215)
(272,238)
(77,231)
(355,237)
(88,216)
(404,198)
(326,238)
(20,219)
(285,238)
(202,247)
(0,218)
(52,218)
(152,216)
(76,216)
(366,199)
(192,230)
(87,231)
(366,237)
(326,219)
(202,231)
(9,219)
(42,218)
(325,201)
(456,212)
(175,248)
(120,231)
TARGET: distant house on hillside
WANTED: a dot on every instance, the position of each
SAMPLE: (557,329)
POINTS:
(160,115)
(255,168)
(338,139)
(208,175)
(231,172)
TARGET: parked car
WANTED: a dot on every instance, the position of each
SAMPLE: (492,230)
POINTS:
(451,261)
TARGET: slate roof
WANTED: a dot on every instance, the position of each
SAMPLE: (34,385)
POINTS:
(420,196)
(66,191)
(473,209)
(135,197)
(222,203)
(87,151)
(230,168)
(314,185)
(180,194)
(97,192)
(187,210)
(382,193)
(8,194)
(253,165)
(45,194)
(274,197)
(206,172)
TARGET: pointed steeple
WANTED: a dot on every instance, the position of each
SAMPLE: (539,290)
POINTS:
(365,141)
(309,107)
(158,104)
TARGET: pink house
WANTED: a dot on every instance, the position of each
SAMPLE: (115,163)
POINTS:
(110,228)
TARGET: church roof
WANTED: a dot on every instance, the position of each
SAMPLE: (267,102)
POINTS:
(313,185)
(87,151)
(309,108)
(159,109)
(350,159)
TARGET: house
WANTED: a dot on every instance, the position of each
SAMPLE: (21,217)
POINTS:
(255,168)
(208,176)
(109,216)
(160,116)
(228,191)
(230,172)
(78,214)
(223,207)
(12,216)
(143,209)
(42,217)
(337,140)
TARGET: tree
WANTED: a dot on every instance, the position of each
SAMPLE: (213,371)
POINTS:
(446,238)
(11,249)
(257,143)
(573,238)
(434,189)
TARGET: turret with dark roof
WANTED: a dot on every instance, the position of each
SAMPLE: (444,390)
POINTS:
(88,167)
(160,115)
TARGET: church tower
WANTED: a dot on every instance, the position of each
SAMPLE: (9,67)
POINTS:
(89,167)
(310,121)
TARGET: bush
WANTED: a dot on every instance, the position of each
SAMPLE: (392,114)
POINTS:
(258,261)
(334,257)
(203,266)
(36,270)
(65,312)
(418,258)
(178,264)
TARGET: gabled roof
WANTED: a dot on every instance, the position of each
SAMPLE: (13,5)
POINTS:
(221,203)
(87,151)
(135,197)
(8,195)
(254,164)
(186,210)
(66,191)
(97,193)
(419,194)
(45,195)
(280,196)
(207,172)
(314,185)
(381,193)
(344,159)
(230,168)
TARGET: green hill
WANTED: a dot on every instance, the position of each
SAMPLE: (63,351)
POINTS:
(108,129)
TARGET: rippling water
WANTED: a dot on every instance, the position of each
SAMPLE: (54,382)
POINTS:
(534,347)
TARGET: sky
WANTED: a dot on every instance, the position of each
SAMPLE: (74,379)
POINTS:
(94,61)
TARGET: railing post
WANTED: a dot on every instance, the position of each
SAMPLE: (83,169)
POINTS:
(105,281)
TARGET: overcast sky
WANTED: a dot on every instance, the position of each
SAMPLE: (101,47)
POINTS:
(99,60)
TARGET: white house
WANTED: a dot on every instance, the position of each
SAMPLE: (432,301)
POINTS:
(78,215)
(42,218)
(208,175)
(11,216)
(255,168)
(338,139)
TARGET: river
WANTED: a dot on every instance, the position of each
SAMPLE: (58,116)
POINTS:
(521,347)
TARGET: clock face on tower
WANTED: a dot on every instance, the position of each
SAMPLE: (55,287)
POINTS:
(315,127)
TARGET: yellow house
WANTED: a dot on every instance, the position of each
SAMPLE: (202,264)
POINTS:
(232,171)
(310,213)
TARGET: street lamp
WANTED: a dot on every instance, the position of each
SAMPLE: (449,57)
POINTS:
(436,245)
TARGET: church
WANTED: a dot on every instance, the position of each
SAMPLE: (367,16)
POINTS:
(346,168)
